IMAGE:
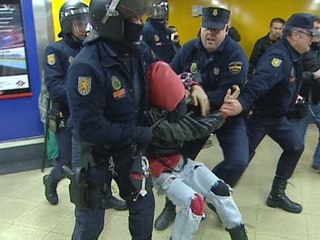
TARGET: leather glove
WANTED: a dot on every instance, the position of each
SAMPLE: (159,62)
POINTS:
(213,121)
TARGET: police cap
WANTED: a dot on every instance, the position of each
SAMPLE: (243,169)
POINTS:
(215,18)
(302,20)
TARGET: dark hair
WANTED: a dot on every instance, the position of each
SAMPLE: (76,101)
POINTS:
(277,20)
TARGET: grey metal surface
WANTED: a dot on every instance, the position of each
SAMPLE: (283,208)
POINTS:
(43,25)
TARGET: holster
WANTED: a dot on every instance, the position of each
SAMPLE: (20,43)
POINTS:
(83,193)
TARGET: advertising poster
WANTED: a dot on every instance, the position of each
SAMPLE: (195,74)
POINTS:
(14,80)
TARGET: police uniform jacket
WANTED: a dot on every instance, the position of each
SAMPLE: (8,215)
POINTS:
(59,56)
(107,96)
(158,37)
(216,71)
(276,82)
(260,47)
(310,88)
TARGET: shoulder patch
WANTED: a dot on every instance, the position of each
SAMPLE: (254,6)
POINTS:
(276,62)
(193,68)
(235,67)
(84,85)
(51,59)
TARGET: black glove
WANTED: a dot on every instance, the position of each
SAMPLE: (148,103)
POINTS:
(184,130)
(213,121)
(142,135)
(299,110)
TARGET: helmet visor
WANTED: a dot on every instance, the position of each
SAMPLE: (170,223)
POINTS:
(80,25)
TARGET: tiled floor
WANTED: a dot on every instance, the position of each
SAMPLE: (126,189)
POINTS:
(25,214)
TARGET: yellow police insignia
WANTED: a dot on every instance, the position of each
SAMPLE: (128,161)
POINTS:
(156,38)
(235,67)
(215,12)
(84,85)
(71,59)
(51,59)
(193,68)
(276,62)
(116,84)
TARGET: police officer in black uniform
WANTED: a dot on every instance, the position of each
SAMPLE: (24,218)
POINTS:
(272,92)
(156,33)
(73,18)
(108,99)
(218,63)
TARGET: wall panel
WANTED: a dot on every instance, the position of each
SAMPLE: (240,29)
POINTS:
(250,17)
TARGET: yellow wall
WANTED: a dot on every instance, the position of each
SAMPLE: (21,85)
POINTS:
(250,17)
(55,5)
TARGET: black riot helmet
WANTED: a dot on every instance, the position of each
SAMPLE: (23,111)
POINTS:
(159,10)
(108,16)
(74,19)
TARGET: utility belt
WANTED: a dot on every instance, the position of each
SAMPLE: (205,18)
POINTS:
(83,193)
(86,194)
(261,113)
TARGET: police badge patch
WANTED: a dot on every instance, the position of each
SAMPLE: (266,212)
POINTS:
(235,67)
(276,62)
(84,85)
(116,83)
(51,59)
(193,68)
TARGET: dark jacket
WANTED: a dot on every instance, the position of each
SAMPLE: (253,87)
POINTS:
(310,88)
(59,56)
(260,47)
(108,93)
(274,86)
(216,71)
(158,37)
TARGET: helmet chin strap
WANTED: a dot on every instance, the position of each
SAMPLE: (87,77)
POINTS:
(111,10)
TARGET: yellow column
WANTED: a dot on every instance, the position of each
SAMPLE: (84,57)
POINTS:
(56,5)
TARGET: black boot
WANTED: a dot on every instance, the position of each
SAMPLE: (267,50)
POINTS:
(50,189)
(166,217)
(115,203)
(238,233)
(278,198)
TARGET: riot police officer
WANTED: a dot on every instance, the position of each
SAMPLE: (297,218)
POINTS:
(272,92)
(108,100)
(73,18)
(156,33)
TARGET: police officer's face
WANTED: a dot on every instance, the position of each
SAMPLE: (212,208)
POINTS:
(79,26)
(303,40)
(212,38)
(276,30)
